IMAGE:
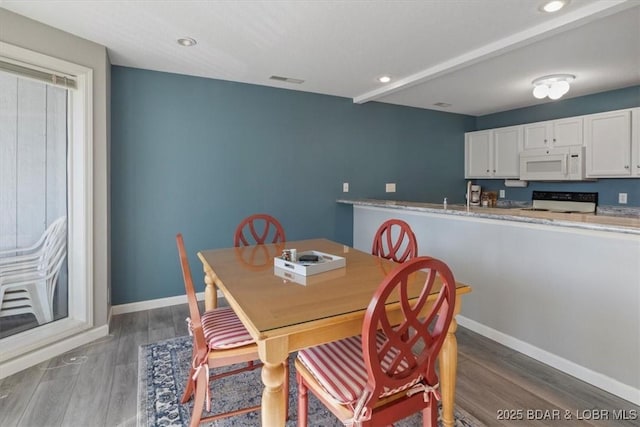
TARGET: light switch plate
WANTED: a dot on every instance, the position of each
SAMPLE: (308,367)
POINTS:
(390,187)
(345,187)
(622,198)
(502,196)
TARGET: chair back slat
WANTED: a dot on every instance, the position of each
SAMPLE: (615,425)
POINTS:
(55,247)
(258,229)
(395,240)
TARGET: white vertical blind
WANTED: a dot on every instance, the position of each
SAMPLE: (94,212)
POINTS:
(33,159)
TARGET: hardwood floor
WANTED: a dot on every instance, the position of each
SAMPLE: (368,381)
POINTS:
(96,385)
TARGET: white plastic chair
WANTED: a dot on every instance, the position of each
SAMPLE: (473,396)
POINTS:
(28,276)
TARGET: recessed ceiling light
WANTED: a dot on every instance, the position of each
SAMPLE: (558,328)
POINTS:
(442,104)
(384,79)
(187,41)
(554,5)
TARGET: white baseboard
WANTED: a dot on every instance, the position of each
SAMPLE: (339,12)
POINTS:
(155,303)
(34,357)
(594,378)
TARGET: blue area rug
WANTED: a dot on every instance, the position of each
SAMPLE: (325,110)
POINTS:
(162,371)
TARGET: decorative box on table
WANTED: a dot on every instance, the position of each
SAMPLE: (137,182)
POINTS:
(325,262)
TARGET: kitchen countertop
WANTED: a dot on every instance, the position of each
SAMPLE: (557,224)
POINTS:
(621,224)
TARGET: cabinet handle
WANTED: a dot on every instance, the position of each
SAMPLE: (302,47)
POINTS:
(638,166)
(626,167)
(487,170)
(554,140)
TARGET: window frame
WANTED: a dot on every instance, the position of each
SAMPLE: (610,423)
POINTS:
(32,346)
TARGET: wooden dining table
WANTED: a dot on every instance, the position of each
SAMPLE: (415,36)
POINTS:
(285,313)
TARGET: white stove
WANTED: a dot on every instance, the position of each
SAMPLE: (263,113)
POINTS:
(564,202)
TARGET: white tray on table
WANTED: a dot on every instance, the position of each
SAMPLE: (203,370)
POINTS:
(290,276)
(325,262)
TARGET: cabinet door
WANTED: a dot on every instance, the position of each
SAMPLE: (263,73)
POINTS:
(507,144)
(635,142)
(477,154)
(608,142)
(536,135)
(567,132)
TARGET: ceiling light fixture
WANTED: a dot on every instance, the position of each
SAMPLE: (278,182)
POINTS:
(553,86)
(553,6)
(384,79)
(187,41)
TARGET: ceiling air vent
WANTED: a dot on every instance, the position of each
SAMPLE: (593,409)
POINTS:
(287,79)
(442,104)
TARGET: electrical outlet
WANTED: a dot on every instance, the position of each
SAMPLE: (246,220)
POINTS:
(502,196)
(345,187)
(390,187)
(622,198)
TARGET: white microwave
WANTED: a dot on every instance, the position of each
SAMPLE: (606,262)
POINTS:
(553,164)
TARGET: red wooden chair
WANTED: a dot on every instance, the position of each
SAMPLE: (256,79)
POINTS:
(219,339)
(395,240)
(382,376)
(258,229)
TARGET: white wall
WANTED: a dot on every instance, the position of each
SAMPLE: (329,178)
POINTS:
(568,297)
(29,34)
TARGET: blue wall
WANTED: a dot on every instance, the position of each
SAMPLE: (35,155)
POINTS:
(197,155)
(607,189)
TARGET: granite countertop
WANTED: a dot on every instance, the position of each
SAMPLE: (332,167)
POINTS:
(629,222)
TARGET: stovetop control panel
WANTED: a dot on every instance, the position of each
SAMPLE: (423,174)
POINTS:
(565,196)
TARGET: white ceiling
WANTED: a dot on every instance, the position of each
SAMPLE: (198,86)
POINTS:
(478,56)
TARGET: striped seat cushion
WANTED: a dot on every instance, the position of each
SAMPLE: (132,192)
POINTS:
(340,370)
(223,329)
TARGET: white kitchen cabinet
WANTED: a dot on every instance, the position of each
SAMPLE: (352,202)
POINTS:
(477,154)
(553,133)
(608,145)
(635,142)
(493,153)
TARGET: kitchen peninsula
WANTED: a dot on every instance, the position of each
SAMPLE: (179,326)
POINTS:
(561,288)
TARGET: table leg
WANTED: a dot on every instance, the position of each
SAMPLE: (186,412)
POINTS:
(210,292)
(448,367)
(273,354)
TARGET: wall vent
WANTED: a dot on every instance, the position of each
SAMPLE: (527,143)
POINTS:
(287,79)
